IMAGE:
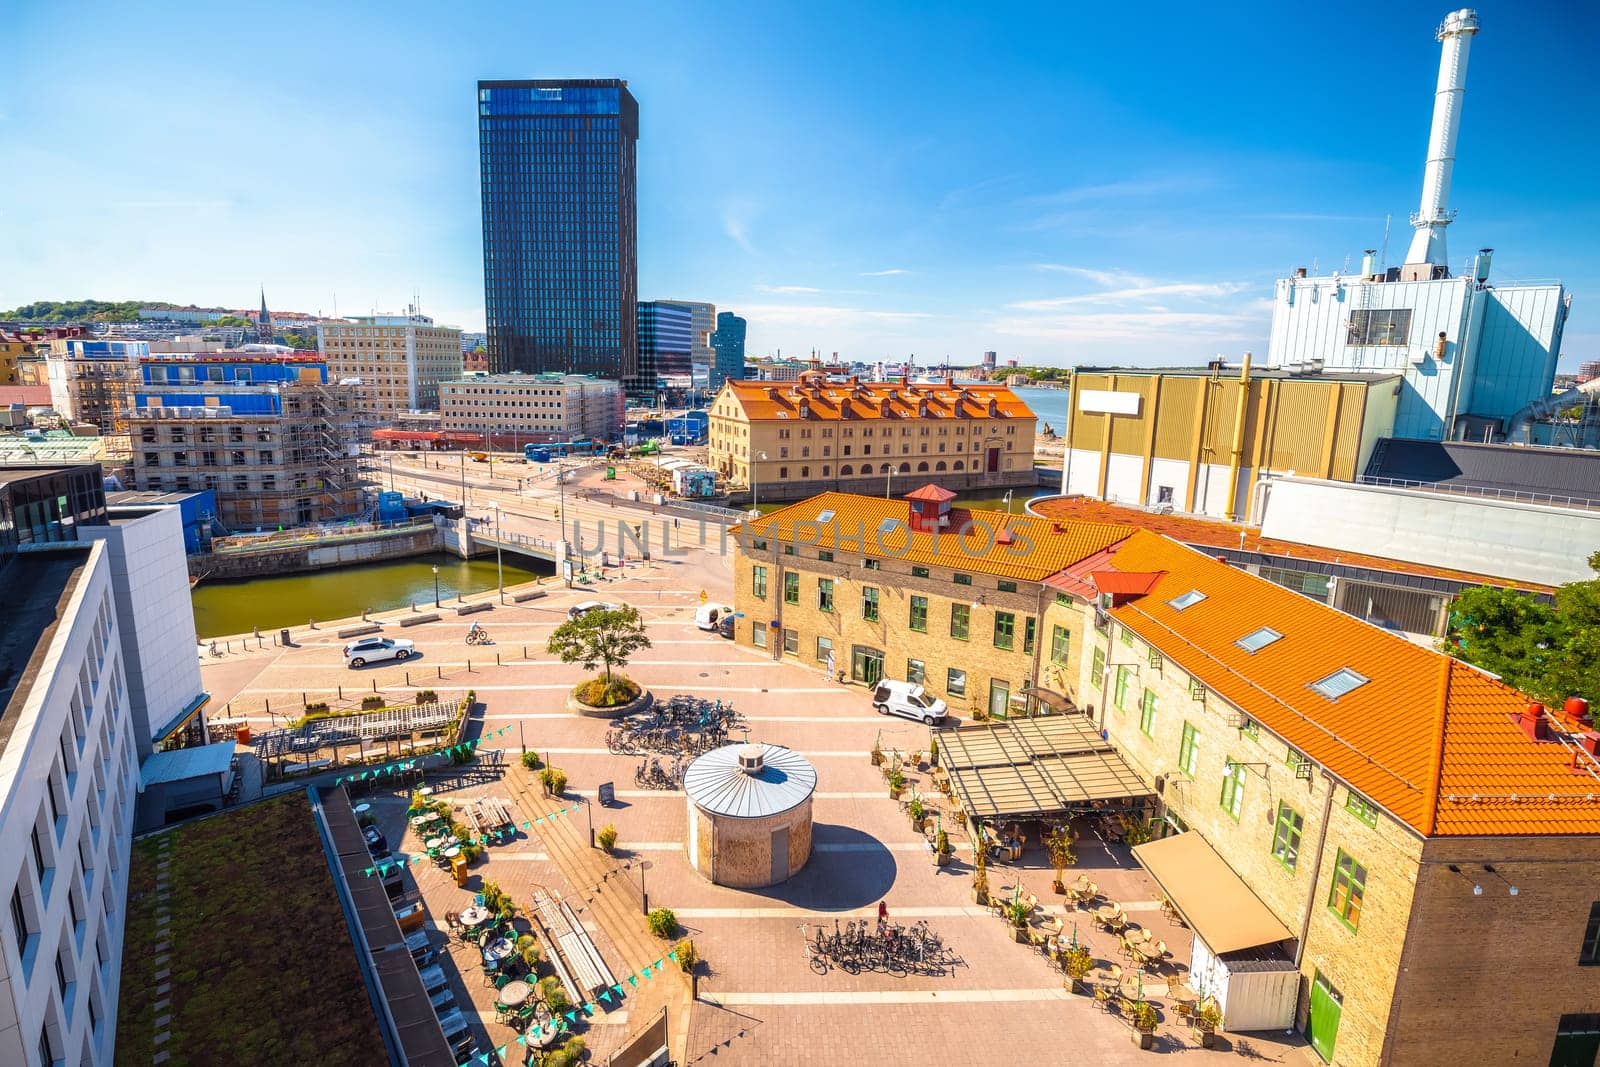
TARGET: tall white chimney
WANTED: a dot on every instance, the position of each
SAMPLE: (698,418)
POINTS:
(1427,244)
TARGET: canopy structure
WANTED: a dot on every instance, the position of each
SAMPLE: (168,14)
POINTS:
(1216,903)
(1030,768)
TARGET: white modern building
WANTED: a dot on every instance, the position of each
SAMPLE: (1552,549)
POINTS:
(532,407)
(69,772)
(395,362)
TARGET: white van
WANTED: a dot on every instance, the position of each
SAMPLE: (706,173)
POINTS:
(908,701)
(706,616)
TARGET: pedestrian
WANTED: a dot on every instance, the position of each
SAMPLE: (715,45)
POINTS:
(830,663)
(883,912)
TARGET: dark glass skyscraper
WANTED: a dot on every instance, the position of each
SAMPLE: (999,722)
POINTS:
(666,341)
(728,341)
(560,263)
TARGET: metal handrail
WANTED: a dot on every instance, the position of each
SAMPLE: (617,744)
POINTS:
(1482,491)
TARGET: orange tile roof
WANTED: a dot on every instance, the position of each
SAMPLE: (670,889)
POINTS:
(866,401)
(1426,737)
(1195,531)
(1039,547)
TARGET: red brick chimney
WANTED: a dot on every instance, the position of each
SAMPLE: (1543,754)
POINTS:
(1533,723)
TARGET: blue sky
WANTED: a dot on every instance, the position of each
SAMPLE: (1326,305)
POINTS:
(1060,183)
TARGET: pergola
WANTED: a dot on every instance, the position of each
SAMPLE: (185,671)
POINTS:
(1050,765)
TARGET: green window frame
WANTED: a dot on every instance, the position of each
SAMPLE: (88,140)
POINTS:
(1005,629)
(825,555)
(758,581)
(960,621)
(1251,729)
(825,595)
(1006,587)
(955,682)
(1060,644)
(963,579)
(791,642)
(1361,807)
(1189,749)
(824,649)
(1097,666)
(869,603)
(1286,837)
(919,572)
(919,614)
(1295,760)
(1121,696)
(1126,637)
(1233,789)
(1147,713)
(916,671)
(1064,600)
(791,588)
(1349,890)
(1030,633)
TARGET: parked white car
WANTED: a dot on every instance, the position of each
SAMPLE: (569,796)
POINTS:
(579,610)
(706,616)
(376,650)
(908,701)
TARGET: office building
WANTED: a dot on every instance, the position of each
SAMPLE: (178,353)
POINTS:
(90,381)
(516,409)
(99,639)
(791,441)
(701,355)
(727,342)
(268,434)
(393,363)
(560,263)
(666,345)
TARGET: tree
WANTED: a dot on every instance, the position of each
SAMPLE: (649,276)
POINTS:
(600,639)
(1547,651)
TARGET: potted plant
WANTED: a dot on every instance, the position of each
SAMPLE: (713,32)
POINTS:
(1207,1019)
(1144,1019)
(663,923)
(933,752)
(1017,915)
(942,849)
(1059,844)
(607,836)
(877,753)
(554,780)
(897,782)
(689,964)
(980,879)
(916,810)
(1078,963)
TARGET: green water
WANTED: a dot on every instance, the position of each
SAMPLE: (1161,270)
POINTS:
(269,603)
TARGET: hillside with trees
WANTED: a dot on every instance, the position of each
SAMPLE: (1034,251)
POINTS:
(82,310)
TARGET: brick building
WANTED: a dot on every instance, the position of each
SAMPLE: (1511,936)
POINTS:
(788,442)
(399,360)
(1400,841)
(536,408)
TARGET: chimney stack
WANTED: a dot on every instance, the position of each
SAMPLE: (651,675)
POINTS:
(1455,35)
(1533,723)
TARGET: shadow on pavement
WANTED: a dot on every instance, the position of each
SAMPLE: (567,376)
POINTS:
(860,874)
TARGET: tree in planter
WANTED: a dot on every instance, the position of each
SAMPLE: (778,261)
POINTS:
(1137,831)
(1059,844)
(1208,1019)
(568,1055)
(1144,1019)
(498,901)
(553,995)
(916,810)
(1078,963)
(1017,915)
(942,849)
(688,956)
(554,780)
(531,761)
(897,782)
(663,923)
(980,878)
(933,752)
(603,640)
(528,948)
(607,836)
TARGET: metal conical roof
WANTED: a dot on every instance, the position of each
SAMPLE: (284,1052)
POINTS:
(717,783)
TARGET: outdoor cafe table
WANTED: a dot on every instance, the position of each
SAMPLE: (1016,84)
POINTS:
(1182,994)
(1131,988)
(499,949)
(1106,912)
(452,852)
(362,809)
(512,994)
(473,916)
(435,842)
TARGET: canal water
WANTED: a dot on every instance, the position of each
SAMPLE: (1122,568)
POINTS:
(270,603)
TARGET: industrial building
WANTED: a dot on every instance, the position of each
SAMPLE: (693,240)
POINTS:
(268,433)
(532,408)
(791,441)
(393,363)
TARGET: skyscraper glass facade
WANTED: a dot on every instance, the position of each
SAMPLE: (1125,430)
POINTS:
(666,339)
(728,341)
(560,264)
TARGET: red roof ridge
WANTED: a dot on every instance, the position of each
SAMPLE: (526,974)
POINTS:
(932,493)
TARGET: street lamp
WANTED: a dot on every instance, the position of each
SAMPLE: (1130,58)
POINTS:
(888,478)
(436,585)
(644,865)
(755,502)
(499,566)
(1007,499)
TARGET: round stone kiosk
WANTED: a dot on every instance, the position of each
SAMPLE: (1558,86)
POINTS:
(750,814)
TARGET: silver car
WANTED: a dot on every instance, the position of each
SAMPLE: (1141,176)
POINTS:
(377,649)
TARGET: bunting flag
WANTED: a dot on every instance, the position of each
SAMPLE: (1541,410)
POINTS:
(633,982)
(617,989)
(572,1016)
(605,995)
(522,1039)
(658,965)
(673,955)
(501,1051)
(588,1009)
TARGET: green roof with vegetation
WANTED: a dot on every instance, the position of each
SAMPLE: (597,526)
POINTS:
(262,968)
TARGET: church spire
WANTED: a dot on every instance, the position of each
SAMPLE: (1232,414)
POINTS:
(264,320)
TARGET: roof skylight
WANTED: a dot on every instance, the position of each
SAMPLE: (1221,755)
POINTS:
(1339,683)
(1187,600)
(825,516)
(1256,641)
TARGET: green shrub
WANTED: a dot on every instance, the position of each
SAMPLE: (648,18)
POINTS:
(942,843)
(554,780)
(688,956)
(1078,962)
(1144,1016)
(567,1055)
(607,836)
(531,761)
(316,707)
(528,948)
(598,693)
(371,703)
(663,923)
(897,780)
(916,809)
(425,696)
(498,901)
(556,997)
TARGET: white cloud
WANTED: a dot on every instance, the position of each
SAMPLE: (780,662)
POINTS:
(884,273)
(1146,325)
(736,216)
(1135,295)
(1109,279)
(793,290)
(823,316)
(1122,190)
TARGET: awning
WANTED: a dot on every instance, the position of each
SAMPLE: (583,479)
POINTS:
(1029,768)
(161,735)
(1214,901)
(182,764)
(1050,698)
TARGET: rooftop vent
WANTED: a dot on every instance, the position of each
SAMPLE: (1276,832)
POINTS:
(752,758)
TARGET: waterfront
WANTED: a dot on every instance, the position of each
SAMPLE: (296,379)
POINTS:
(1050,405)
(269,603)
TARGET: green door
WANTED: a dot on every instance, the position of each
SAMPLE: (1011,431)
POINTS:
(866,664)
(1323,1024)
(999,699)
